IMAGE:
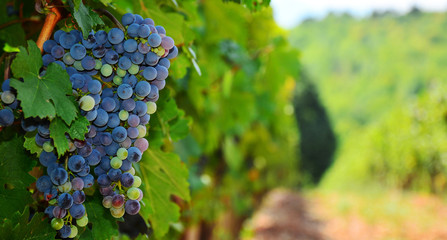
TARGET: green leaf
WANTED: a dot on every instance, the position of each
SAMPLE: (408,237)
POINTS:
(43,96)
(57,132)
(163,175)
(168,122)
(15,164)
(85,17)
(104,226)
(13,34)
(17,227)
(13,200)
(58,128)
(31,145)
(78,128)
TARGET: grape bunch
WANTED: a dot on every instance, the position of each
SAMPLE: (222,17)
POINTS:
(116,77)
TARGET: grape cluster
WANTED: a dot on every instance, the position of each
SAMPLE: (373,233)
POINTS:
(116,77)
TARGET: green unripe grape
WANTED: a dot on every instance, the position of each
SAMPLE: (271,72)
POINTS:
(138,97)
(87,103)
(98,64)
(71,146)
(78,66)
(121,153)
(66,187)
(8,97)
(107,201)
(160,51)
(53,201)
(151,107)
(74,231)
(141,131)
(83,221)
(134,69)
(48,147)
(106,70)
(68,59)
(131,171)
(123,115)
(133,193)
(116,163)
(120,72)
(117,80)
(136,181)
(57,223)
(117,212)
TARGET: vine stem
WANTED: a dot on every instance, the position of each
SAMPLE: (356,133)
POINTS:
(111,17)
(50,22)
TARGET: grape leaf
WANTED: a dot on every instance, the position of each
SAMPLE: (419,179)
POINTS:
(17,227)
(168,122)
(42,96)
(104,226)
(58,128)
(163,175)
(78,128)
(85,17)
(15,164)
(57,132)
(31,145)
(12,34)
(13,200)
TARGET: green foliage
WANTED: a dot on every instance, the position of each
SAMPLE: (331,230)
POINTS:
(42,96)
(30,144)
(58,129)
(14,166)
(18,227)
(384,95)
(12,34)
(163,175)
(85,17)
(104,226)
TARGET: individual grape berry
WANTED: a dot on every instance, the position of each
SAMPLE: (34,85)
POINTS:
(6,117)
(125,91)
(118,200)
(119,134)
(77,211)
(87,103)
(88,181)
(66,187)
(65,200)
(78,197)
(136,182)
(44,183)
(103,180)
(154,40)
(115,36)
(57,223)
(116,163)
(106,191)
(132,207)
(78,51)
(77,183)
(83,221)
(59,176)
(114,174)
(128,19)
(133,193)
(106,70)
(74,231)
(65,231)
(142,144)
(127,179)
(59,212)
(76,163)
(117,212)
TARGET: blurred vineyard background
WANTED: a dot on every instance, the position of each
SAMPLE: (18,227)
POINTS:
(351,113)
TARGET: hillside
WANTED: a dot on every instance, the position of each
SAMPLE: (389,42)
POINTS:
(382,80)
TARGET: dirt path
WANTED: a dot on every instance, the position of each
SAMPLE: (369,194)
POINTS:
(286,215)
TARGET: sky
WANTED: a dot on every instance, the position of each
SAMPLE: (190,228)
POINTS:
(289,13)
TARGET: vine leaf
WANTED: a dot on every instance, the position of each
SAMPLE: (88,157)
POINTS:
(15,164)
(168,122)
(104,225)
(163,175)
(17,227)
(14,167)
(58,129)
(31,145)
(42,96)
(85,17)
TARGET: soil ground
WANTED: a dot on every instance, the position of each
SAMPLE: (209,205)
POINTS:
(288,215)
